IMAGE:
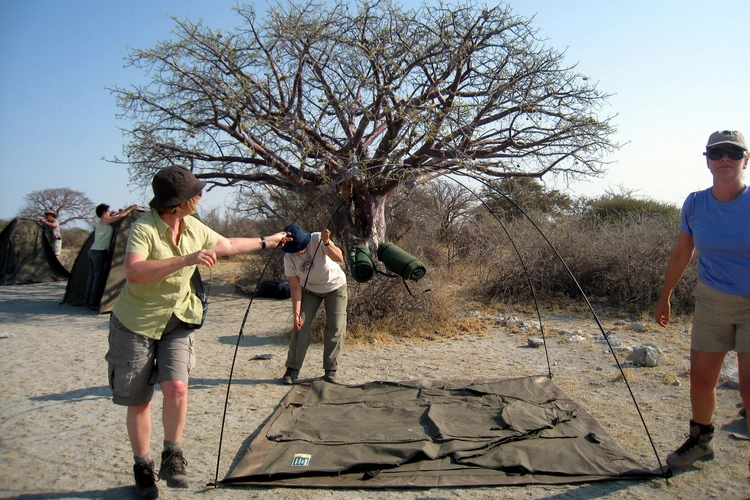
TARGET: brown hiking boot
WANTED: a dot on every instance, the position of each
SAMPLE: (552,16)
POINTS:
(290,376)
(173,469)
(330,376)
(697,447)
(145,481)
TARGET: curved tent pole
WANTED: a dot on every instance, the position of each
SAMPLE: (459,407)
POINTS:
(518,254)
(250,303)
(666,473)
(536,305)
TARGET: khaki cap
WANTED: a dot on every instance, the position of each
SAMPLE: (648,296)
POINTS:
(732,137)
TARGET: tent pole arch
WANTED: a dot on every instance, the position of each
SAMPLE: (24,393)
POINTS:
(449,173)
(583,295)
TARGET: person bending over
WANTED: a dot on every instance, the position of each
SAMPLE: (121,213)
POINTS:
(311,262)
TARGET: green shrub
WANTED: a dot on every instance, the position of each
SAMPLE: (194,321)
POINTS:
(75,237)
(611,208)
(621,263)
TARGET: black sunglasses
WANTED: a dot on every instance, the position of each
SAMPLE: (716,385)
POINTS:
(718,153)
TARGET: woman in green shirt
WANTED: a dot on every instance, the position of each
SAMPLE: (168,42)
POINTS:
(155,315)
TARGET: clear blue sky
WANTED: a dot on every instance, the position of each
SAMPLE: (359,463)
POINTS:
(678,69)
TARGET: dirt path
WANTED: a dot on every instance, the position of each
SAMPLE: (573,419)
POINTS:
(61,437)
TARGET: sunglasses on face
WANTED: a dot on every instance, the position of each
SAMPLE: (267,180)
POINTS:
(718,153)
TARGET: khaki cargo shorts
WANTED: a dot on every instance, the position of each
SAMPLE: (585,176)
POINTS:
(137,363)
(721,322)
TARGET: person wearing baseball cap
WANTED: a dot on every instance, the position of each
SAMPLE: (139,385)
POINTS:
(716,223)
(154,317)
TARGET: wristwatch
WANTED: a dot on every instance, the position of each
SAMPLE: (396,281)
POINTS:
(326,244)
(263,242)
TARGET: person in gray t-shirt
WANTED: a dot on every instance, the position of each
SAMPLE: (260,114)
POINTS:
(52,231)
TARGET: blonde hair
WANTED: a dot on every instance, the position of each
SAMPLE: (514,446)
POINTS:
(192,205)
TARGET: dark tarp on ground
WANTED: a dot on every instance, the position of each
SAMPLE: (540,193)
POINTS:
(26,255)
(401,262)
(431,433)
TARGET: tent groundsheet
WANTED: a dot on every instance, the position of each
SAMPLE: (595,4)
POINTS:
(431,433)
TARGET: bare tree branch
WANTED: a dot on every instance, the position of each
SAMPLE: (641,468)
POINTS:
(69,205)
(367,95)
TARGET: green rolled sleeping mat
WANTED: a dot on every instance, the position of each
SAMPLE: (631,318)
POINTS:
(400,262)
(361,263)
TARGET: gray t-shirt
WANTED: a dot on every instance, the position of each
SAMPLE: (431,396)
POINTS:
(325,275)
(102,236)
(53,233)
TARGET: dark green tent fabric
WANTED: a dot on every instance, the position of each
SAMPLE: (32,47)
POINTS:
(430,434)
(114,271)
(26,255)
(79,273)
(361,263)
(115,276)
(400,262)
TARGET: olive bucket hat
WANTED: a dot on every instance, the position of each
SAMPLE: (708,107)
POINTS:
(174,185)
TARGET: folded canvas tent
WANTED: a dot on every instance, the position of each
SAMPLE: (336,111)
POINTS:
(431,433)
(26,255)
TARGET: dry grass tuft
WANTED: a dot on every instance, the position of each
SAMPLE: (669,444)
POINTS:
(68,257)
(630,374)
(385,309)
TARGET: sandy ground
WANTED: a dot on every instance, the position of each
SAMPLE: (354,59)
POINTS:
(61,436)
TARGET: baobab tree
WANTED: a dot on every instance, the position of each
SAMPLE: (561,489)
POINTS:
(361,100)
(68,204)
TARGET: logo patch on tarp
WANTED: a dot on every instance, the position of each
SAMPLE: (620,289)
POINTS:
(301,460)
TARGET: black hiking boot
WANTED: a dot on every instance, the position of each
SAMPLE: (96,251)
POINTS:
(697,447)
(173,469)
(290,376)
(145,481)
(330,376)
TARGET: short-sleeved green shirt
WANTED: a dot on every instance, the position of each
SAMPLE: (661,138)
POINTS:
(146,308)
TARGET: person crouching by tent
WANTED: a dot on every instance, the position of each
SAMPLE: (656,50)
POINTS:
(716,222)
(99,252)
(155,315)
(311,262)
(52,231)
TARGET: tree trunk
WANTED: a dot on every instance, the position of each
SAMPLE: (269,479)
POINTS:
(363,220)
